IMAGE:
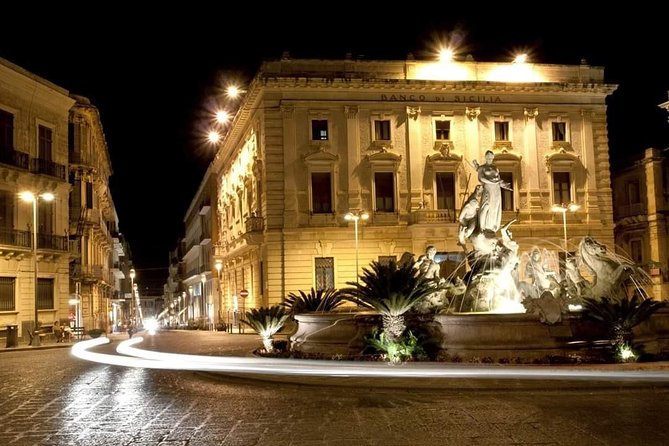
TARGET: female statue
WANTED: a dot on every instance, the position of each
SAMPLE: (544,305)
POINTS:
(490,211)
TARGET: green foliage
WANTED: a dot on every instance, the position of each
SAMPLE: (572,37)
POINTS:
(266,321)
(619,316)
(388,289)
(314,301)
(404,349)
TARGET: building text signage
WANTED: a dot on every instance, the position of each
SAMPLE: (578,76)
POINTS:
(472,98)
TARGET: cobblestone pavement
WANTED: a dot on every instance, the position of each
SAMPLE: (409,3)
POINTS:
(51,398)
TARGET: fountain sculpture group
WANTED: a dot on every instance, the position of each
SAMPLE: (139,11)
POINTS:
(489,311)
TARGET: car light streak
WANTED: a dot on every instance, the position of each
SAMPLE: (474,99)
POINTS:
(299,367)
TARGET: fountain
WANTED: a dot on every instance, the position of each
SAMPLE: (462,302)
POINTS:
(492,313)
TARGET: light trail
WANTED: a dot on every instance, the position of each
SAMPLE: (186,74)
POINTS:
(347,369)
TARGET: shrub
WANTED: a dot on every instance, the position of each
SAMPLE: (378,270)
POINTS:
(316,300)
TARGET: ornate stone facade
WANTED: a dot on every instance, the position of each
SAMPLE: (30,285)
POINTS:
(33,157)
(315,139)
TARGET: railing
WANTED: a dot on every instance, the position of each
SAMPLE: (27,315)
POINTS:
(15,158)
(77,157)
(254,224)
(629,210)
(53,242)
(434,216)
(48,167)
(90,272)
(14,237)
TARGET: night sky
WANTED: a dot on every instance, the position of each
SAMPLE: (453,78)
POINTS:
(153,76)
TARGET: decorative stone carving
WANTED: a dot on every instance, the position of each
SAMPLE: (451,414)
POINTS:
(444,147)
(323,249)
(287,111)
(562,146)
(413,112)
(530,113)
(472,112)
(502,146)
(351,111)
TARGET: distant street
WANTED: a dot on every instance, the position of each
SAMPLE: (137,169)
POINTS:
(50,398)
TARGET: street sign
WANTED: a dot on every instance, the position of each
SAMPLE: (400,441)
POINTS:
(243,293)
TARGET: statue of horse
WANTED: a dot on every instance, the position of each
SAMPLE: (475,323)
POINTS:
(609,273)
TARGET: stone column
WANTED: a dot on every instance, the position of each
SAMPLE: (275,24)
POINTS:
(536,166)
(353,156)
(414,158)
(290,158)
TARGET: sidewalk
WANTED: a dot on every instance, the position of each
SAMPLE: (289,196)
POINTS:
(46,344)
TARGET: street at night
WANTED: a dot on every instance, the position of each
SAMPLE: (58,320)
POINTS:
(52,398)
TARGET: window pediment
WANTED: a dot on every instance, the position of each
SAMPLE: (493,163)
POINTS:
(320,158)
(562,161)
(385,158)
(444,160)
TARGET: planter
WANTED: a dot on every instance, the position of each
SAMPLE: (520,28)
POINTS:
(324,333)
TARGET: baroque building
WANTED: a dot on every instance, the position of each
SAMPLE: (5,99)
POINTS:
(198,279)
(316,139)
(33,158)
(93,220)
(640,208)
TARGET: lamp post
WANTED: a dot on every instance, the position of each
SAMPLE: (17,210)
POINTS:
(132,295)
(219,266)
(30,197)
(182,298)
(355,216)
(203,307)
(563,208)
(138,305)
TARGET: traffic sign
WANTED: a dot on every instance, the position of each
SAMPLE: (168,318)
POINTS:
(244,293)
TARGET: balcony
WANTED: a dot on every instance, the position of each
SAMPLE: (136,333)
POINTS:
(434,216)
(254,224)
(15,158)
(90,273)
(629,210)
(48,167)
(14,237)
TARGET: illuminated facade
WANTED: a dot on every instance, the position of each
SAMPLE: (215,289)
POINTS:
(93,220)
(199,285)
(640,198)
(33,157)
(315,139)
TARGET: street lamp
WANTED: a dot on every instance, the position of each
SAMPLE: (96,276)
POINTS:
(219,266)
(563,208)
(132,295)
(30,197)
(355,216)
(138,305)
(203,279)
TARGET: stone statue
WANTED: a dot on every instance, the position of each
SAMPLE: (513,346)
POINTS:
(609,272)
(542,278)
(577,285)
(469,216)
(490,212)
(428,268)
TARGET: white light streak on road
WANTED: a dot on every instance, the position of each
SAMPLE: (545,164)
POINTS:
(299,367)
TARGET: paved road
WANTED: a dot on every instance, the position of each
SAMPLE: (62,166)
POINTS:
(50,398)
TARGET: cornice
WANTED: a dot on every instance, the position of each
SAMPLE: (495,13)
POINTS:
(290,83)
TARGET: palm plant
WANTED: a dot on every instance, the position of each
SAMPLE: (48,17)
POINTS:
(390,290)
(316,300)
(266,322)
(620,315)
